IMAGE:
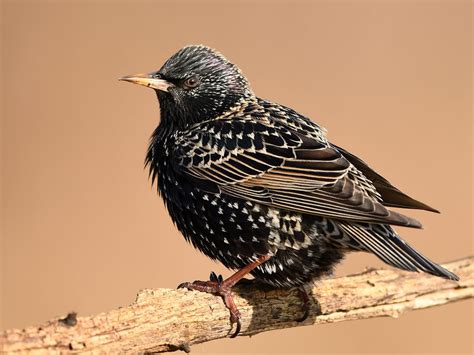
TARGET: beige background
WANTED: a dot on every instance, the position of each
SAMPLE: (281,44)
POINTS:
(83,230)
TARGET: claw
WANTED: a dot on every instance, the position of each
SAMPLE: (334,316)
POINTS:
(237,328)
(220,287)
(183,285)
(305,315)
(303,295)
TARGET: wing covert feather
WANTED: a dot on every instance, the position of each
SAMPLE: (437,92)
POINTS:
(282,163)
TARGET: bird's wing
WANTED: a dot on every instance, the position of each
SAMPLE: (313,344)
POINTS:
(391,196)
(277,162)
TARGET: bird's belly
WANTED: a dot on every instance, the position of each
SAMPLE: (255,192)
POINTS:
(222,227)
(236,232)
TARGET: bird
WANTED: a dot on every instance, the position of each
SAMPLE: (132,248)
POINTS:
(259,187)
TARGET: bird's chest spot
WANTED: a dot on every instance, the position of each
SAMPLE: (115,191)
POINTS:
(288,230)
(229,229)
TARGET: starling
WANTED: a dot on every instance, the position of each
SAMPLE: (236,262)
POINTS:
(258,187)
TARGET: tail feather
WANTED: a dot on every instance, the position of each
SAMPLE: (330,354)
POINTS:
(382,241)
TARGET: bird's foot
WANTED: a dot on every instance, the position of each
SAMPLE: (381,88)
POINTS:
(218,287)
(306,306)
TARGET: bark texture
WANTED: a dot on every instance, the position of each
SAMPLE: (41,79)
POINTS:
(163,320)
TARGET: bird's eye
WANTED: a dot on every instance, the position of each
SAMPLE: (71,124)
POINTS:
(191,82)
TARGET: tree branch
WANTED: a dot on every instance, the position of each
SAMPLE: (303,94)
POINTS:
(163,320)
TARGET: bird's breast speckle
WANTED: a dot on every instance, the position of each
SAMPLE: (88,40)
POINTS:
(236,232)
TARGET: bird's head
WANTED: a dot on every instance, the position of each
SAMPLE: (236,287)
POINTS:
(195,84)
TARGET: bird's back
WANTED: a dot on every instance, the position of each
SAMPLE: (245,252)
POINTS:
(262,178)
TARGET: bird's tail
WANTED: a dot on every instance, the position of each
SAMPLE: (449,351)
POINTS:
(382,241)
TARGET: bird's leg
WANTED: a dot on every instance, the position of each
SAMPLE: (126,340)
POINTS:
(220,287)
(303,295)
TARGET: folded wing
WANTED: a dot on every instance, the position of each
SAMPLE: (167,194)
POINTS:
(275,162)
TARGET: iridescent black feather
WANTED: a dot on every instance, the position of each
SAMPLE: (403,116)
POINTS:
(243,177)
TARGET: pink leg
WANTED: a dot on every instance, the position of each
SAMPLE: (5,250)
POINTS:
(219,287)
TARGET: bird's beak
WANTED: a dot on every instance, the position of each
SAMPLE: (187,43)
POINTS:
(148,81)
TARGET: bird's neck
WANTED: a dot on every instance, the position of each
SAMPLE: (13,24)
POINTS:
(181,117)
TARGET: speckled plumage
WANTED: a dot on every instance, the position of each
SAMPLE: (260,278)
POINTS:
(243,177)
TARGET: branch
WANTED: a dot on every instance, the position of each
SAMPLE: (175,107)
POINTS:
(163,320)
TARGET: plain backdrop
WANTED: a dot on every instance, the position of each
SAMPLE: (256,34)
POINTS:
(83,230)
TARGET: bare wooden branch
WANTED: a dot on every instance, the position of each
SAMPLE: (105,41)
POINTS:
(163,320)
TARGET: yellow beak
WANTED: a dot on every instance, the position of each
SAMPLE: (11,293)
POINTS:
(146,80)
